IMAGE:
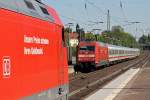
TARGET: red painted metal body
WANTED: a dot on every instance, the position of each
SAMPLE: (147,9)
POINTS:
(33,58)
(84,55)
(96,55)
(101,53)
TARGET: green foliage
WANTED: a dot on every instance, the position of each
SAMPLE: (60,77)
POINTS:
(116,37)
(145,39)
(77,28)
(89,36)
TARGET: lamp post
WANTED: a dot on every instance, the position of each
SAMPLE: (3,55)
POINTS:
(98,22)
(136,22)
(97,33)
(69,27)
(69,49)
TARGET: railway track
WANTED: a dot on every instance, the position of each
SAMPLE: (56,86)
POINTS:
(84,83)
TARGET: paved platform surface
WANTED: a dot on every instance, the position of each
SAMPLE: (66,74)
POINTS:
(109,91)
(132,85)
(138,88)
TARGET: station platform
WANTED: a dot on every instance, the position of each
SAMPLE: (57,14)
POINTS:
(132,85)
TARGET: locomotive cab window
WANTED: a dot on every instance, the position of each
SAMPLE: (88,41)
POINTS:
(29,4)
(87,48)
(46,15)
(44,10)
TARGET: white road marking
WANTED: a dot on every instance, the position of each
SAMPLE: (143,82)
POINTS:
(112,89)
(133,93)
(119,88)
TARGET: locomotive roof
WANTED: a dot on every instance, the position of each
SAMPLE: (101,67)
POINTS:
(112,46)
(55,15)
(121,48)
(34,8)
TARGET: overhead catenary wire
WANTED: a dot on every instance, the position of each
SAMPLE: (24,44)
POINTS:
(122,10)
(90,23)
(94,5)
(68,17)
(100,10)
(86,24)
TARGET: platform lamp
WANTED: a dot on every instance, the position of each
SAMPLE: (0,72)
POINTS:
(69,26)
(69,49)
(136,22)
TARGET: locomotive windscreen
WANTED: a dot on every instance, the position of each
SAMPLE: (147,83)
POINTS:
(87,48)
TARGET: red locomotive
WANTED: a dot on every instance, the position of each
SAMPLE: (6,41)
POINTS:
(33,52)
(94,54)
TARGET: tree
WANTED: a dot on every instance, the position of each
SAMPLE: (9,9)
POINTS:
(117,29)
(81,33)
(148,37)
(68,30)
(89,37)
(116,36)
(77,28)
(144,39)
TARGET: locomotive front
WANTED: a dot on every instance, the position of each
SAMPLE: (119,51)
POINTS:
(86,55)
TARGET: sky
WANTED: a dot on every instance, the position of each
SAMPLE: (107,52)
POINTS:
(74,11)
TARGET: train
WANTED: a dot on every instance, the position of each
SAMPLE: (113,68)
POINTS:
(33,52)
(91,55)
